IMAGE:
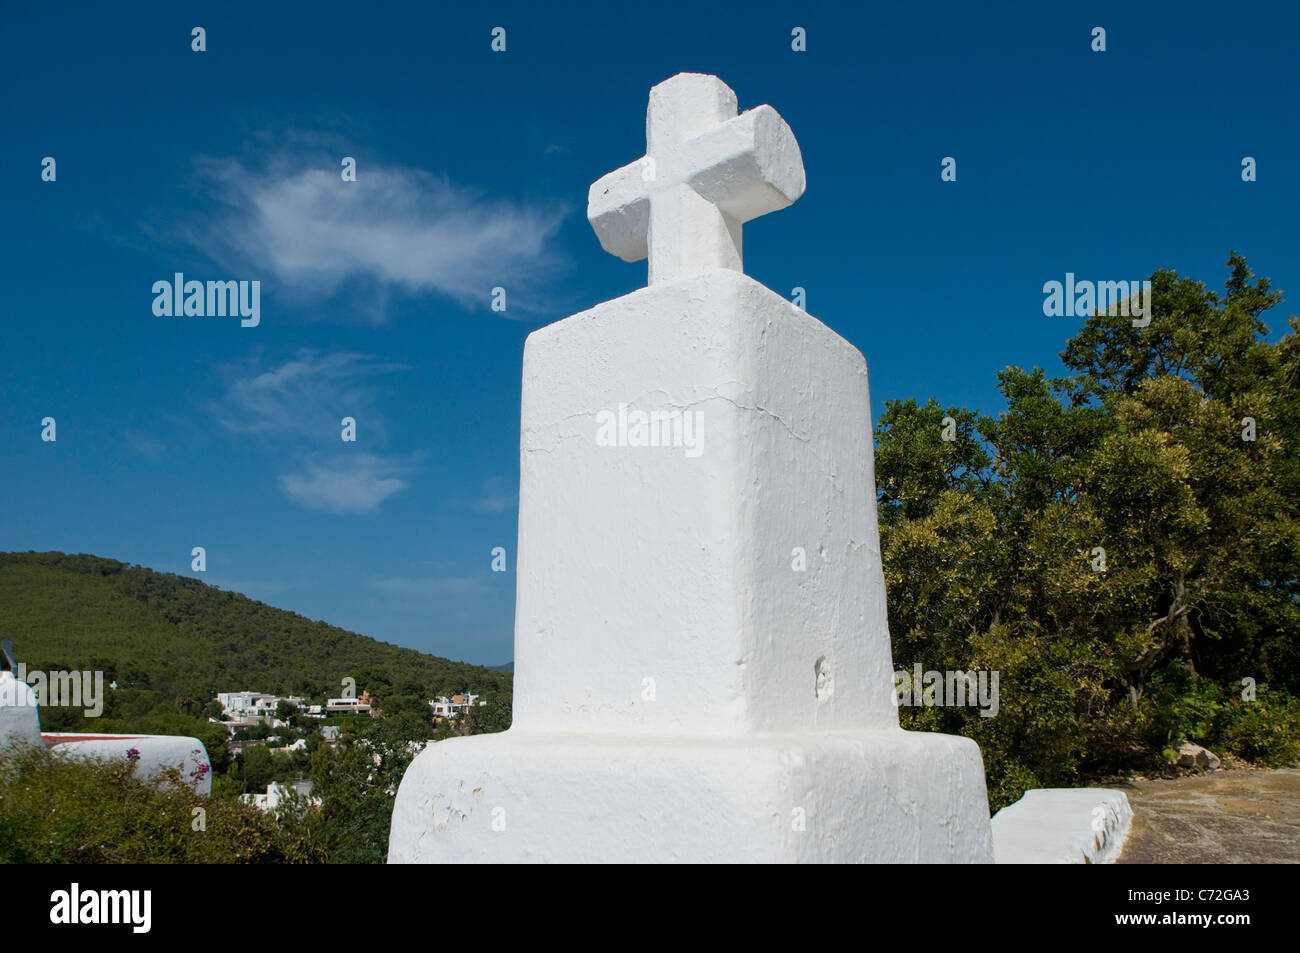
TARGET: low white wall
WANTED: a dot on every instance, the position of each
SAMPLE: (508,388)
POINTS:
(157,754)
(20,722)
(1062,826)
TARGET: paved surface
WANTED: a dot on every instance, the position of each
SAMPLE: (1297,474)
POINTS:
(1220,817)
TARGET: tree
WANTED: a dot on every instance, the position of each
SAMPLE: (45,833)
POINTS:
(1105,527)
(492,717)
(257,768)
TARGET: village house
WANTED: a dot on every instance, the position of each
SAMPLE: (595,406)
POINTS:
(357,706)
(444,707)
(278,792)
(252,707)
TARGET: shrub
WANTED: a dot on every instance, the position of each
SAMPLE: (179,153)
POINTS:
(87,811)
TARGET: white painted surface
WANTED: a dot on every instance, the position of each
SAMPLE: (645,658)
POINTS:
(157,754)
(706,172)
(20,722)
(19,719)
(641,563)
(887,796)
(682,693)
(1063,826)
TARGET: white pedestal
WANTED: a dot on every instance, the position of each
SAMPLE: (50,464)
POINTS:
(641,563)
(886,796)
(681,691)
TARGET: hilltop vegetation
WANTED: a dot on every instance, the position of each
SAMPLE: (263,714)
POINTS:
(185,640)
(1122,544)
(170,643)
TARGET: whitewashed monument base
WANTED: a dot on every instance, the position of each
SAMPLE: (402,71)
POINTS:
(645,563)
(701,642)
(866,797)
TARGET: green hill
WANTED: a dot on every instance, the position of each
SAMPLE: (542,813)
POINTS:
(185,640)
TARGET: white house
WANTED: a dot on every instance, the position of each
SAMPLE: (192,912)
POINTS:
(360,706)
(278,792)
(243,706)
(456,704)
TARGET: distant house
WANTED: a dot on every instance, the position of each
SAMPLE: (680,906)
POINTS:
(357,706)
(444,707)
(277,793)
(330,733)
(249,707)
(245,706)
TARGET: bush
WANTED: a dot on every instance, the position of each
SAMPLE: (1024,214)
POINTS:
(1266,731)
(1178,706)
(84,811)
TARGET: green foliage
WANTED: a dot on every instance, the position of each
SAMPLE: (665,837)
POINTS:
(357,780)
(170,643)
(63,810)
(1180,705)
(257,732)
(492,717)
(990,542)
(185,640)
(1266,731)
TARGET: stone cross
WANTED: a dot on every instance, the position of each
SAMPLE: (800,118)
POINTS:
(706,172)
(702,653)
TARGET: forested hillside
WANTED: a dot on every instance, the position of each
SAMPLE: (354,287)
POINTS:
(185,640)
(170,643)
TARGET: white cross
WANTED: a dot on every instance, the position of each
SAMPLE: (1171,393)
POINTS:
(706,172)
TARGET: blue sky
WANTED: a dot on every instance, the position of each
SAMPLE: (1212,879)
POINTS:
(473,169)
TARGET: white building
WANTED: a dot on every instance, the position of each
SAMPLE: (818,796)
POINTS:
(456,704)
(359,706)
(247,706)
(278,792)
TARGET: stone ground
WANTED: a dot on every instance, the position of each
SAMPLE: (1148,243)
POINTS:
(1219,817)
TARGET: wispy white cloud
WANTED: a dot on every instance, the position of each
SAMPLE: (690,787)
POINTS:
(395,227)
(144,445)
(298,404)
(307,394)
(347,483)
